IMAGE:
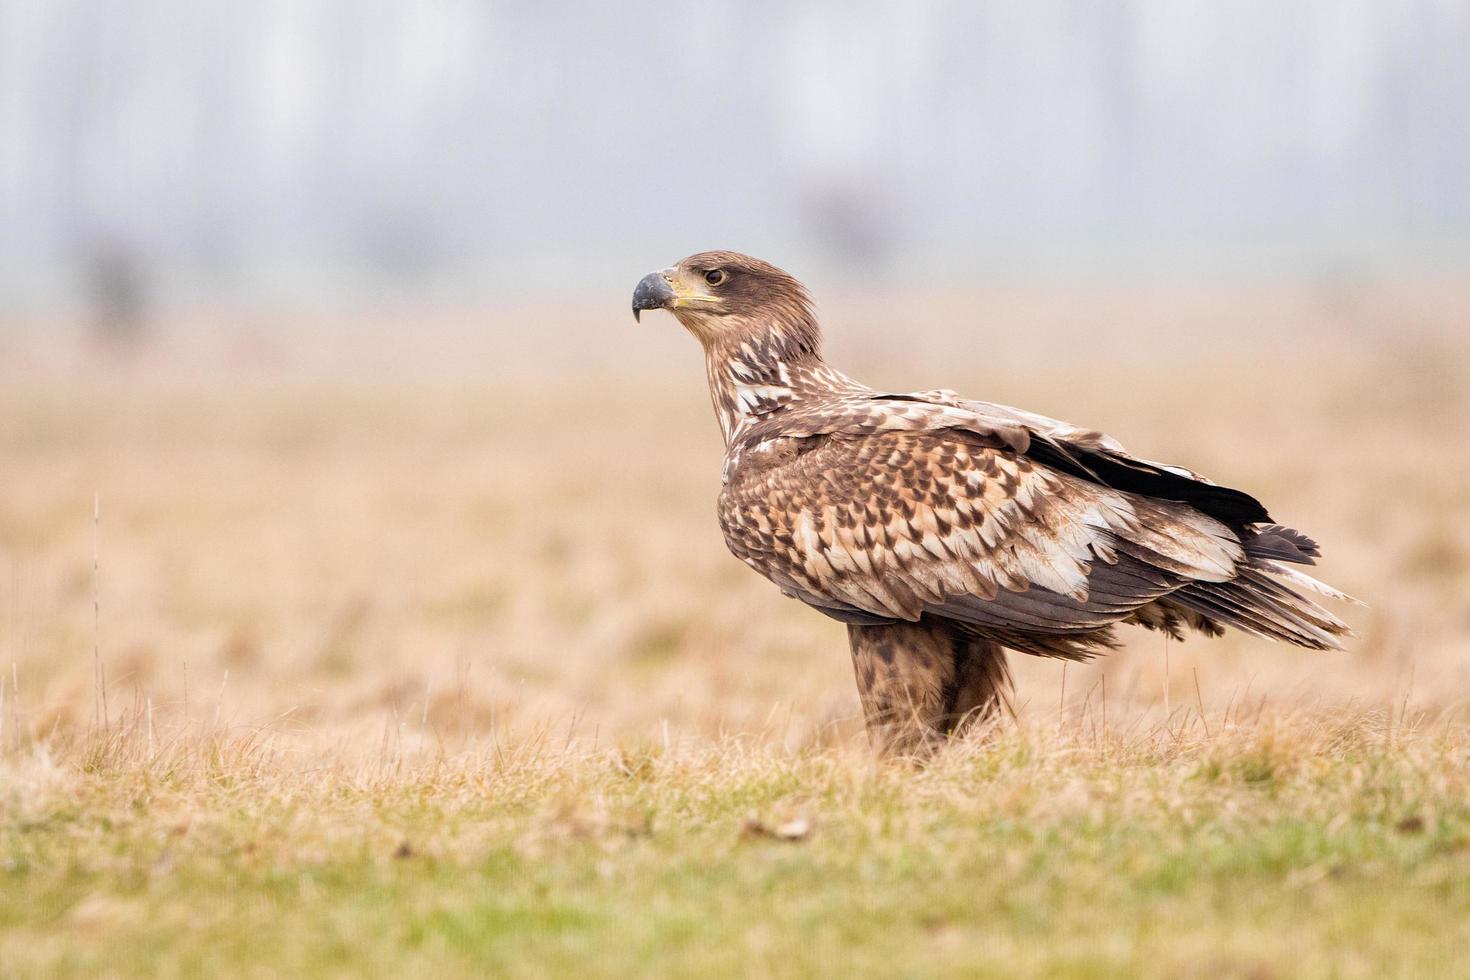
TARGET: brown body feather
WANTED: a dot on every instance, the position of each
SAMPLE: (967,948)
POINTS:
(942,530)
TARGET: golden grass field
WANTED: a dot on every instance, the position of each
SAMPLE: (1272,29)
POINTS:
(423,655)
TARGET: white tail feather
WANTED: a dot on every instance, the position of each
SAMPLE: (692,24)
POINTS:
(1305,581)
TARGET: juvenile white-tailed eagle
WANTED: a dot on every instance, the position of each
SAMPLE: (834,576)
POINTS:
(944,531)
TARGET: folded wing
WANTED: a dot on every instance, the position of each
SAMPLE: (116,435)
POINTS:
(1036,533)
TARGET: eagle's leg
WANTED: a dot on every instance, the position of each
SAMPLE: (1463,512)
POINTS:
(919,682)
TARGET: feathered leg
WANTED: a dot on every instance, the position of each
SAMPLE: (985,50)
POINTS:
(982,682)
(919,682)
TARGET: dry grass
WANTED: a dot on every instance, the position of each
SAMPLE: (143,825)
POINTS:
(1309,845)
(391,594)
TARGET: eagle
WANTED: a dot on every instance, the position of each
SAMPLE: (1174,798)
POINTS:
(945,531)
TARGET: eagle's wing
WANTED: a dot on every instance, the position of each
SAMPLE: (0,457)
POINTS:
(889,507)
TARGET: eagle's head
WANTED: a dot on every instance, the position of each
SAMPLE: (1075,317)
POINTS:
(725,297)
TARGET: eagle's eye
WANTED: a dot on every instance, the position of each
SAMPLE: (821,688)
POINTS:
(715,276)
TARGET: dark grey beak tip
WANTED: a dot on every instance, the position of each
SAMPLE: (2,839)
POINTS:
(652,293)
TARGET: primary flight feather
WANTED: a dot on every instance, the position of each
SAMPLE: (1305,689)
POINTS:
(944,531)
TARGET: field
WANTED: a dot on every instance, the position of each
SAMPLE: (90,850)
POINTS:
(410,646)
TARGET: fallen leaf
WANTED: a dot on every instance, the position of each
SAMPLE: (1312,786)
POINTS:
(793,829)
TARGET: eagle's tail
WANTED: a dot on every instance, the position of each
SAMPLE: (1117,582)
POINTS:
(1263,598)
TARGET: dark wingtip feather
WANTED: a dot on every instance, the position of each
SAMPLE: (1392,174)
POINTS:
(1234,508)
(1278,543)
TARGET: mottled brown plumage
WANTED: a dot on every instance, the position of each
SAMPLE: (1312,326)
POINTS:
(942,530)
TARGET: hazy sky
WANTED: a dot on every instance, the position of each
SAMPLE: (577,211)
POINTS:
(283,149)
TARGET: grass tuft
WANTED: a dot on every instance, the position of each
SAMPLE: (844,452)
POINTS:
(1295,845)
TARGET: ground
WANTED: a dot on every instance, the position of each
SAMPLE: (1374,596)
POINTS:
(420,654)
(1300,847)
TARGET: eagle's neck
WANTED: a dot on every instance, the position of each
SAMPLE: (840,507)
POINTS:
(755,376)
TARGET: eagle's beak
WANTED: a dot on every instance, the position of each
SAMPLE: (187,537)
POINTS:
(653,292)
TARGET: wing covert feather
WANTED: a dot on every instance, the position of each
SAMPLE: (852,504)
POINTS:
(895,523)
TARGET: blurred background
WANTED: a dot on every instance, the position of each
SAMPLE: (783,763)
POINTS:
(326,305)
(343,152)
